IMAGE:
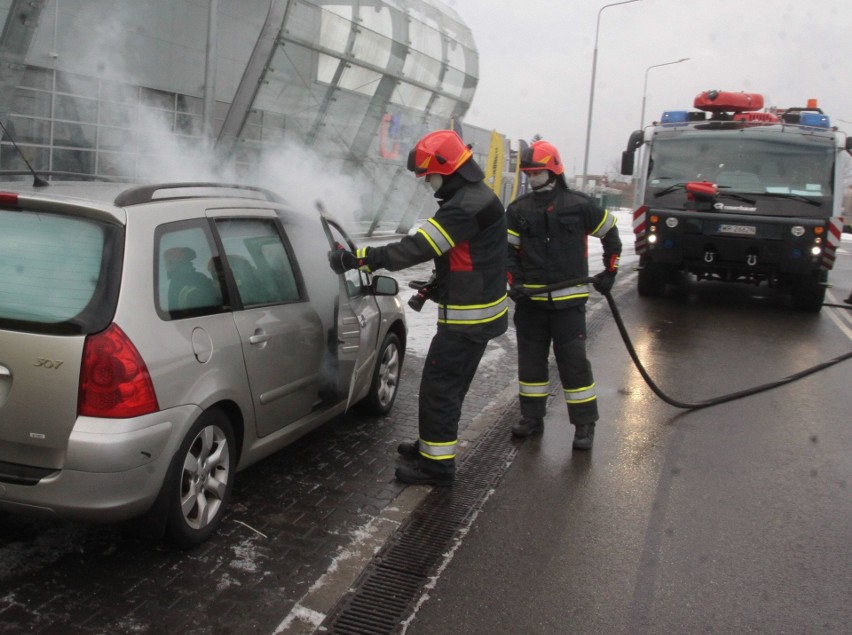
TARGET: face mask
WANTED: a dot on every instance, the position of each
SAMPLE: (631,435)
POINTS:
(538,180)
(435,181)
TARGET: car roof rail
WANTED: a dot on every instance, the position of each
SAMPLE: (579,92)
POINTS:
(166,191)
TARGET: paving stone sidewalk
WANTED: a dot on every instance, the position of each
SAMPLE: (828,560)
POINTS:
(291,516)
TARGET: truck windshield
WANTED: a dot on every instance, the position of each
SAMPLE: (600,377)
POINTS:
(747,161)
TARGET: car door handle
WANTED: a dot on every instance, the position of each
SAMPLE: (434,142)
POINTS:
(259,338)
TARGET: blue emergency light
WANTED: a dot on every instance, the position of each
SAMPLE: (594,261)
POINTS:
(814,120)
(675,117)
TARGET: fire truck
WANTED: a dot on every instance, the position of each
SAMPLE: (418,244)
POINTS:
(734,192)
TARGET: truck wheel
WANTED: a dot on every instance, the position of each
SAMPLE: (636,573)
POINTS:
(808,291)
(652,281)
(385,383)
(199,481)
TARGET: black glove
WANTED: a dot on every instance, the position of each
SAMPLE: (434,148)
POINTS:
(516,291)
(342,260)
(604,281)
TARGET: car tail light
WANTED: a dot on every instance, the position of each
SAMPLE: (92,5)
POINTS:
(9,199)
(114,381)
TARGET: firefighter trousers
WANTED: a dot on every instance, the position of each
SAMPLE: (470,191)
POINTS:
(565,329)
(449,369)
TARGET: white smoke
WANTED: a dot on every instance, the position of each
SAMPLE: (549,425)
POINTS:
(117,48)
(295,172)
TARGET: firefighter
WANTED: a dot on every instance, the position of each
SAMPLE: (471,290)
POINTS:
(548,233)
(466,238)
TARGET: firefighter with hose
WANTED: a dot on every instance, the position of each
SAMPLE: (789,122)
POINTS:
(548,229)
(466,239)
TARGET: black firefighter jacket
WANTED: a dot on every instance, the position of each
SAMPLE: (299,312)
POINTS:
(467,240)
(548,243)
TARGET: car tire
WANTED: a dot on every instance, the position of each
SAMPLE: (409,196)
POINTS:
(385,383)
(199,481)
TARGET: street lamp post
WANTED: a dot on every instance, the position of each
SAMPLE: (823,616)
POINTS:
(592,89)
(645,88)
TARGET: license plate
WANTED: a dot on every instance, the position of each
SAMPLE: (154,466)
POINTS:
(739,230)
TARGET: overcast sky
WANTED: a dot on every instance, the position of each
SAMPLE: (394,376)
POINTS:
(535,63)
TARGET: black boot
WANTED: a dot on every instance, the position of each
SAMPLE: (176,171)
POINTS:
(409,449)
(584,436)
(427,472)
(528,426)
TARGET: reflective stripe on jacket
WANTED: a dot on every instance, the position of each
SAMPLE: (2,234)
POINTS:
(547,233)
(466,238)
(569,293)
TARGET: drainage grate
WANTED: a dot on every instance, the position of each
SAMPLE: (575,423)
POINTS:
(384,594)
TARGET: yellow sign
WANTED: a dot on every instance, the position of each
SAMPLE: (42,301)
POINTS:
(494,164)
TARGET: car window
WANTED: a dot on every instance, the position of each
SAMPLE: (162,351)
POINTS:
(187,284)
(259,260)
(57,273)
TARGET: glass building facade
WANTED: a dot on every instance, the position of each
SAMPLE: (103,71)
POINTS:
(357,82)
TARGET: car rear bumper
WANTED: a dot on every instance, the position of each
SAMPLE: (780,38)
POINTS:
(113,470)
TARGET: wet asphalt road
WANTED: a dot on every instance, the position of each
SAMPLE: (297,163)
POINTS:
(730,519)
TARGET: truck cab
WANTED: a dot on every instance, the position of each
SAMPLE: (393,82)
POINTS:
(731,193)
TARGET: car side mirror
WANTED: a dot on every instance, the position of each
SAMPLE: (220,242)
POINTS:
(384,285)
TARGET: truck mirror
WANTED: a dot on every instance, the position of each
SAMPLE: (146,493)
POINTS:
(637,138)
(849,145)
(627,162)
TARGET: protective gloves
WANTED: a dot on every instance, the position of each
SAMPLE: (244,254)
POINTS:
(604,281)
(516,291)
(342,260)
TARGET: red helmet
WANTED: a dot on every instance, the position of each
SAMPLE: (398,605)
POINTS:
(542,155)
(440,152)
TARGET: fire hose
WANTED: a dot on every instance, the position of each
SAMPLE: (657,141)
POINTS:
(616,314)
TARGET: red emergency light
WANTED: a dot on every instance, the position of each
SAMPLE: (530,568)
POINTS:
(721,101)
(9,199)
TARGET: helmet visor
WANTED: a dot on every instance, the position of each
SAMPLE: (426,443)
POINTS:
(528,162)
(412,163)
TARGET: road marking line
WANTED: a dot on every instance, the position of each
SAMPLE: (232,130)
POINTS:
(835,314)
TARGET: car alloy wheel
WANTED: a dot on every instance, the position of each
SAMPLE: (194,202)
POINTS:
(200,480)
(385,384)
(205,477)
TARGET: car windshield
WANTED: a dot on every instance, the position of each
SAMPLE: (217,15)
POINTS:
(53,273)
(746,161)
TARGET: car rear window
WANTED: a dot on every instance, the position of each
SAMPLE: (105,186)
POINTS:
(57,272)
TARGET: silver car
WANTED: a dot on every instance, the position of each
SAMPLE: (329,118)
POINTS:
(156,339)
